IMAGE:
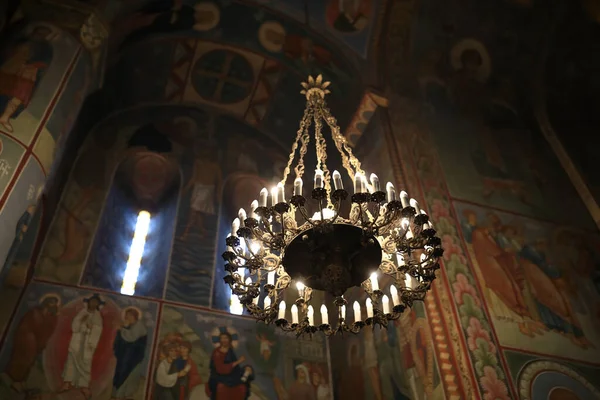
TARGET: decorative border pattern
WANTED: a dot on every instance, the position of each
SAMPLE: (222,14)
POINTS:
(478,337)
(534,368)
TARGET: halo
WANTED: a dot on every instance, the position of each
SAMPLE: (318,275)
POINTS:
(124,311)
(47,295)
(222,329)
(202,26)
(484,70)
(265,41)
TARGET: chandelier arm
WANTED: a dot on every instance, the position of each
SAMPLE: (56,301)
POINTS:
(321,149)
(304,125)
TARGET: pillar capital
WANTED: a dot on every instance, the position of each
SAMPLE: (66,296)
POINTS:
(84,21)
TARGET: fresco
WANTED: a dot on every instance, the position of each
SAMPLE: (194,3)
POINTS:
(38,57)
(44,356)
(206,355)
(19,209)
(539,377)
(208,151)
(374,151)
(11,153)
(393,363)
(542,282)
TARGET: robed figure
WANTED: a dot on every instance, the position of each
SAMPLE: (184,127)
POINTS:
(129,349)
(21,69)
(21,230)
(86,330)
(228,380)
(30,339)
(186,383)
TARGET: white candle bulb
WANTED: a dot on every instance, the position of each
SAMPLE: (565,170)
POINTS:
(300,286)
(294,314)
(429,224)
(235,226)
(271,278)
(385,302)
(391,192)
(344,312)
(337,181)
(374,281)
(280,192)
(357,316)
(242,216)
(318,178)
(369,304)
(415,204)
(394,293)
(281,314)
(298,187)
(358,182)
(409,281)
(310,313)
(262,197)
(404,198)
(274,196)
(324,315)
(365,185)
(253,207)
(375,183)
(267,302)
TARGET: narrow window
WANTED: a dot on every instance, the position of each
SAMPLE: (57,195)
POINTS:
(136,252)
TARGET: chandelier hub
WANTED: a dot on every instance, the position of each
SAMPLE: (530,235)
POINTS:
(332,259)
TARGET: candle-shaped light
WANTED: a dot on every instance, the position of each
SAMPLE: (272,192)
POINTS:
(318,178)
(267,302)
(344,312)
(310,313)
(374,281)
(357,316)
(358,182)
(271,278)
(415,204)
(300,286)
(409,281)
(262,197)
(337,180)
(394,293)
(324,315)
(274,196)
(385,302)
(281,314)
(280,192)
(425,225)
(242,216)
(375,183)
(294,314)
(429,224)
(298,187)
(235,226)
(365,185)
(369,305)
(253,207)
(404,198)
(391,192)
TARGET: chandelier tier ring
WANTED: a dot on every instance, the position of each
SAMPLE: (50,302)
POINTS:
(281,242)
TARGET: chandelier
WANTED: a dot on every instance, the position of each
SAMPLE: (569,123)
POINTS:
(281,246)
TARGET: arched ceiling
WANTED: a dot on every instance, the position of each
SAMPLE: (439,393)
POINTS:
(245,58)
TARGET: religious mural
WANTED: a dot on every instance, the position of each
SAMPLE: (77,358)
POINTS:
(204,355)
(69,343)
(542,281)
(396,362)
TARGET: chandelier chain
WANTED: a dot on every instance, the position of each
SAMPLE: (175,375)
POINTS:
(302,137)
(321,150)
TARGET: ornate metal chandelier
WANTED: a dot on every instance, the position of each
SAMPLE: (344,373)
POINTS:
(281,241)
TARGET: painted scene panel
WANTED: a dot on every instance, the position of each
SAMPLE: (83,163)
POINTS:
(32,68)
(204,355)
(65,343)
(541,282)
(393,363)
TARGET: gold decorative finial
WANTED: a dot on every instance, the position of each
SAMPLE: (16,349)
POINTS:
(315,86)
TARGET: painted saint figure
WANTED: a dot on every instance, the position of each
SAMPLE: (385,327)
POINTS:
(30,339)
(87,328)
(186,383)
(228,380)
(205,185)
(301,389)
(265,346)
(22,226)
(167,374)
(129,348)
(21,70)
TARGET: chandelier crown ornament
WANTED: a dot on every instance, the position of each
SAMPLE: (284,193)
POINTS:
(385,238)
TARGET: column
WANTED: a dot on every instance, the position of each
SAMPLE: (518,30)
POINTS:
(45,75)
